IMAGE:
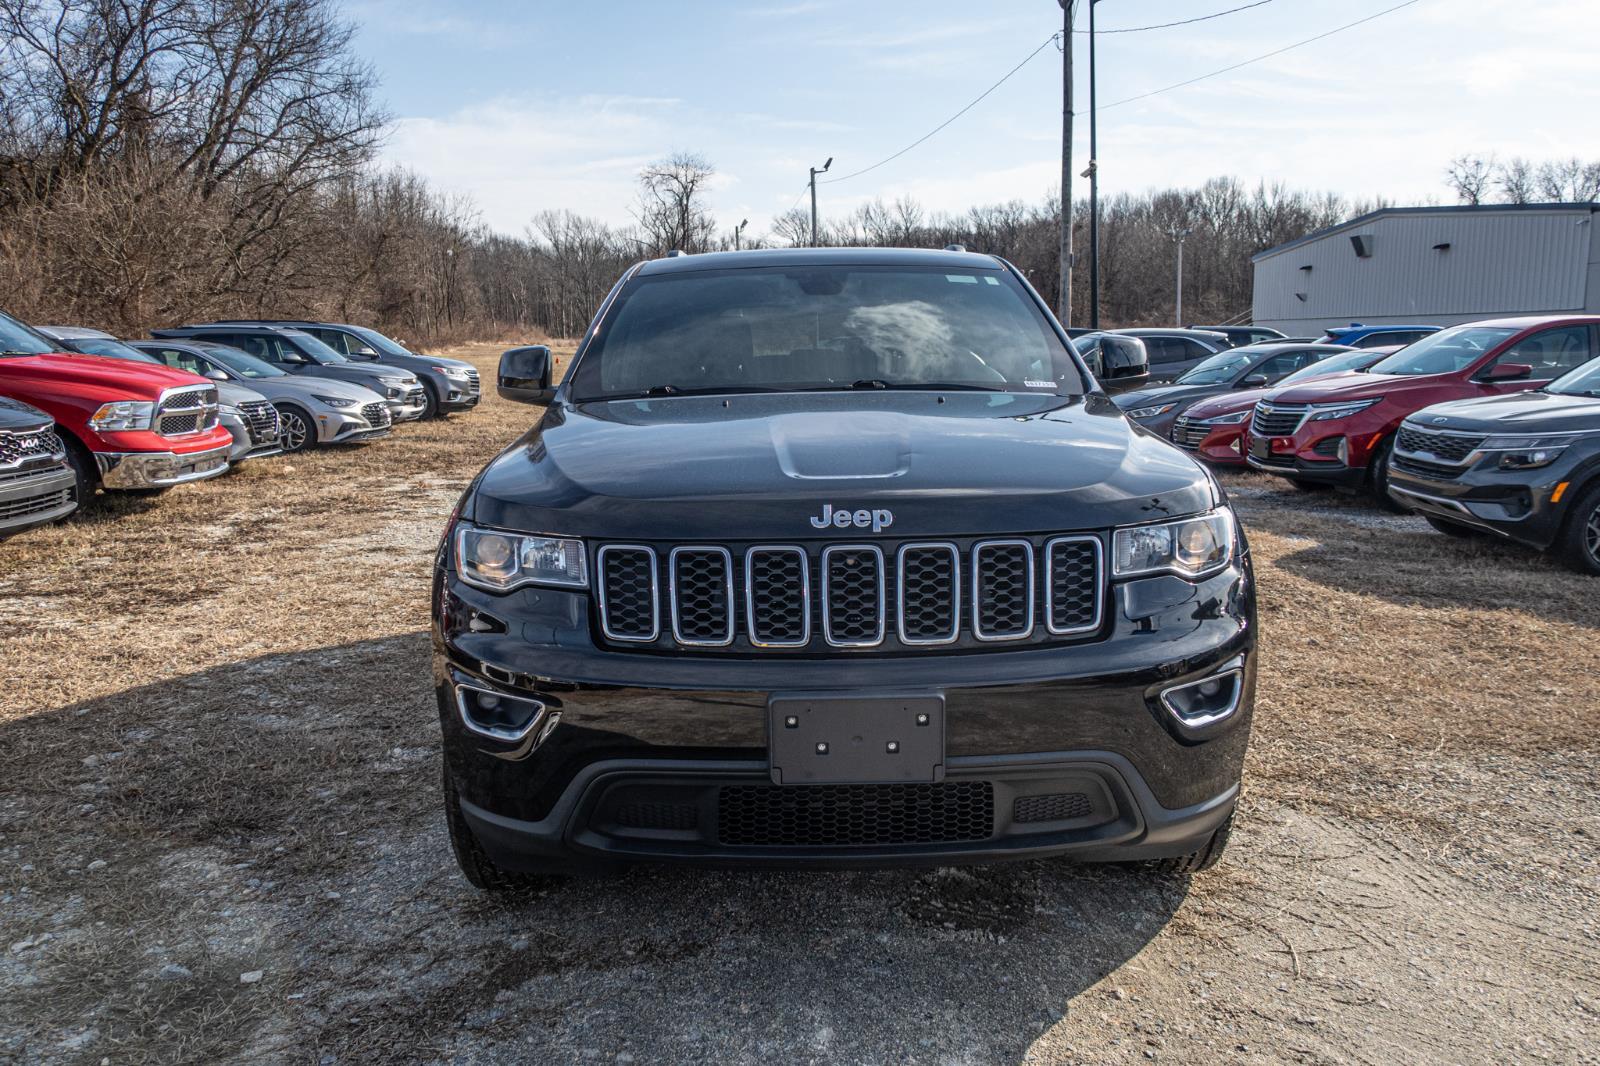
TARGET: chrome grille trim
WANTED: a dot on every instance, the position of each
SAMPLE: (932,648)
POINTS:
(191,408)
(1050,584)
(827,600)
(672,594)
(655,593)
(978,551)
(955,592)
(1271,420)
(805,595)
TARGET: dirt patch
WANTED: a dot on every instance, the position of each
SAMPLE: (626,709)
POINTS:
(220,835)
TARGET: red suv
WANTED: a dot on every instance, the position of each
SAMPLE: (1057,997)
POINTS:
(1339,431)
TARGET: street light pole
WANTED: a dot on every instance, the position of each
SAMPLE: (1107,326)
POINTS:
(1094,188)
(1064,302)
(1178,311)
(814,173)
(738,230)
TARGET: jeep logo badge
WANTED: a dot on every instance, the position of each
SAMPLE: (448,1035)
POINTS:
(877,520)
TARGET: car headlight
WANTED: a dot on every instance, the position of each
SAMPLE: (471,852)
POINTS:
(1140,413)
(1227,420)
(500,562)
(1521,452)
(394,383)
(335,401)
(229,409)
(1190,547)
(1326,412)
(459,373)
(123,414)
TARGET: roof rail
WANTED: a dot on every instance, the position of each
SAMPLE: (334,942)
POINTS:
(955,247)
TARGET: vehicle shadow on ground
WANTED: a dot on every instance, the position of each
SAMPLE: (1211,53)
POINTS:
(279,819)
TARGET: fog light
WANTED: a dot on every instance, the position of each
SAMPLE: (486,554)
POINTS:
(1197,704)
(507,719)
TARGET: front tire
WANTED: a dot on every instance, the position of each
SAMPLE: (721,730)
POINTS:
(1378,477)
(476,865)
(430,402)
(1579,545)
(85,471)
(1197,861)
(297,432)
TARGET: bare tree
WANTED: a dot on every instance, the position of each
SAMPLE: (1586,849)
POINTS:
(1568,181)
(672,210)
(1470,177)
(1516,181)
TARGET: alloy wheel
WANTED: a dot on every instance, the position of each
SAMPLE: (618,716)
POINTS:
(1591,535)
(296,433)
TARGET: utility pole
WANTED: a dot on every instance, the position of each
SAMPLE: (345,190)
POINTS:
(738,230)
(1178,313)
(1094,190)
(814,173)
(1064,303)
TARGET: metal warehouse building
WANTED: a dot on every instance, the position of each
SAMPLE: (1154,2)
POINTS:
(1438,265)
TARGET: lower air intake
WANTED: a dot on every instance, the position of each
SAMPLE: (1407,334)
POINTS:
(1056,807)
(823,816)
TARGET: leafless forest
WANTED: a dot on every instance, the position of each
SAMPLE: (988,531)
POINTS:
(172,160)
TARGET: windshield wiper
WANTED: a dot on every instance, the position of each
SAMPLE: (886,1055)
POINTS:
(909,386)
(677,390)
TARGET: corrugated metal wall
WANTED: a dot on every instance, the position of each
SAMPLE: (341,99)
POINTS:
(1498,263)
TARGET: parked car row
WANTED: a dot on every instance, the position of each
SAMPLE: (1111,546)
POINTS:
(1485,427)
(82,411)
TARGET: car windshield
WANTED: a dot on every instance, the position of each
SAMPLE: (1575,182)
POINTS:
(314,349)
(1444,352)
(1333,364)
(808,328)
(18,339)
(242,363)
(382,344)
(1222,367)
(1584,381)
(113,349)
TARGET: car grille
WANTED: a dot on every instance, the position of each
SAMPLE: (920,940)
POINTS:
(474,386)
(377,414)
(415,397)
(1056,807)
(26,446)
(849,597)
(854,815)
(1449,447)
(190,409)
(262,420)
(1188,433)
(1276,420)
(31,505)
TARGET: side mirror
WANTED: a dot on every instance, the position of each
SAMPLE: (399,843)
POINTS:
(1507,372)
(1255,381)
(214,374)
(525,375)
(362,351)
(1126,363)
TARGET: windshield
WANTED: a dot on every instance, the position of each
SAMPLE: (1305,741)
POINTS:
(314,349)
(113,349)
(242,363)
(18,339)
(793,329)
(1444,352)
(382,344)
(1222,367)
(1584,381)
(1333,364)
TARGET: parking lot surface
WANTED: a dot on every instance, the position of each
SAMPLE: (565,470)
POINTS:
(221,835)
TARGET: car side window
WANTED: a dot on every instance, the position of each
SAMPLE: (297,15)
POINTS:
(338,340)
(182,361)
(1192,349)
(250,343)
(1162,350)
(1283,364)
(1551,352)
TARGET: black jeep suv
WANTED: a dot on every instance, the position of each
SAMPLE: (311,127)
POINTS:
(836,557)
(1524,466)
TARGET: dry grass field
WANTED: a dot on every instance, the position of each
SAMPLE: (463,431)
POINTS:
(221,837)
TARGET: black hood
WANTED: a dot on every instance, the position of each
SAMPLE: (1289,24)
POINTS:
(760,466)
(1519,412)
(1159,394)
(16,416)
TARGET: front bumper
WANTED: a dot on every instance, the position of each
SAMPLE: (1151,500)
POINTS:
(642,754)
(159,470)
(1218,446)
(1518,505)
(33,497)
(244,445)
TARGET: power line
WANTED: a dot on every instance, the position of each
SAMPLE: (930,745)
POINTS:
(1186,22)
(1257,59)
(856,174)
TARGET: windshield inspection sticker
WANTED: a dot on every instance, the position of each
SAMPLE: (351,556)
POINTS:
(1040,384)
(964,279)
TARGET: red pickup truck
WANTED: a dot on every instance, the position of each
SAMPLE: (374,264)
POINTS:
(126,425)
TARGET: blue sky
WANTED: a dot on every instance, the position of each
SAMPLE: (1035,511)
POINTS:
(542,105)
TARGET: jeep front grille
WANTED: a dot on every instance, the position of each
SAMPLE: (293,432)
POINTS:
(1277,420)
(850,597)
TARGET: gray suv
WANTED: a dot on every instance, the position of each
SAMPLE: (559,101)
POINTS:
(314,411)
(1175,352)
(299,353)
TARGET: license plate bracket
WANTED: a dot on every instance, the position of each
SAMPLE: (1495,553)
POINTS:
(831,740)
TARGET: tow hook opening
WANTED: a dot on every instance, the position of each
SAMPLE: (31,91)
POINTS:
(503,718)
(1212,699)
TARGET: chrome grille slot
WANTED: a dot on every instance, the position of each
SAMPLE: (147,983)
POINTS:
(1072,585)
(777,595)
(377,414)
(629,599)
(262,419)
(852,595)
(473,384)
(929,584)
(1270,420)
(1002,589)
(702,596)
(1187,433)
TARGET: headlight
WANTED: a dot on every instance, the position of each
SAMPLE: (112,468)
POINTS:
(502,561)
(395,383)
(459,373)
(229,409)
(1522,452)
(1326,412)
(1227,420)
(1191,547)
(1139,413)
(335,401)
(124,414)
